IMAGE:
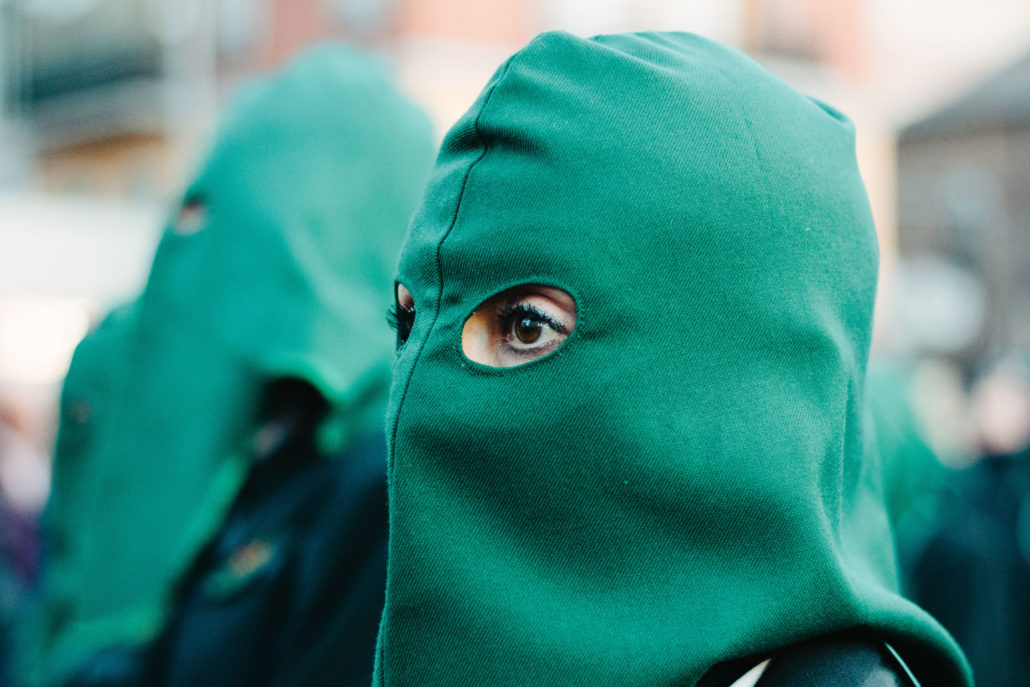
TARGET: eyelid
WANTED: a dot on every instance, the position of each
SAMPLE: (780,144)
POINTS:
(509,309)
(402,292)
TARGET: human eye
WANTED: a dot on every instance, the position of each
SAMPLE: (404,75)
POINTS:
(401,316)
(526,330)
(192,216)
(518,325)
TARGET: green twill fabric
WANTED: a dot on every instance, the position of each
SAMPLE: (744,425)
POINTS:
(683,482)
(279,266)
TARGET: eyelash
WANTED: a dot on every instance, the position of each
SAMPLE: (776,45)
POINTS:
(401,321)
(507,313)
(393,317)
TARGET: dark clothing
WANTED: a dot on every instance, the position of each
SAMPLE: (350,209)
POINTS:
(19,564)
(291,591)
(846,660)
(974,573)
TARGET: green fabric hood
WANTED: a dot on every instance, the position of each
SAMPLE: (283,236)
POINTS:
(278,266)
(684,481)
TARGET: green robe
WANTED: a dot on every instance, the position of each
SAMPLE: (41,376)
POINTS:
(684,481)
(280,265)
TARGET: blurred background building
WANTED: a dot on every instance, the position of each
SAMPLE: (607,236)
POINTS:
(105,104)
(963,172)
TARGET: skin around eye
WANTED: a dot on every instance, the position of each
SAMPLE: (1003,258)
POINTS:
(518,325)
(192,217)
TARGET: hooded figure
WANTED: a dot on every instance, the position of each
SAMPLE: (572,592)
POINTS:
(680,481)
(973,570)
(275,268)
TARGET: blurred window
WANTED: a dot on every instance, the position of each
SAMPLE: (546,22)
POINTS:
(85,46)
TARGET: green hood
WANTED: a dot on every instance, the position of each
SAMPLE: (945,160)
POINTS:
(683,482)
(279,267)
(92,390)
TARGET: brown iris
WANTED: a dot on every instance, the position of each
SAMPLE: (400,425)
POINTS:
(528,330)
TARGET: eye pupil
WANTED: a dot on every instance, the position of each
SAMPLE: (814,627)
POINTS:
(528,330)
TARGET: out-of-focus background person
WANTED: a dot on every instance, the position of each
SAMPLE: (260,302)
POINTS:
(973,571)
(218,505)
(106,104)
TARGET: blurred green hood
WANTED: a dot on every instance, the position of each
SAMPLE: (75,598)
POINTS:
(683,482)
(280,264)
